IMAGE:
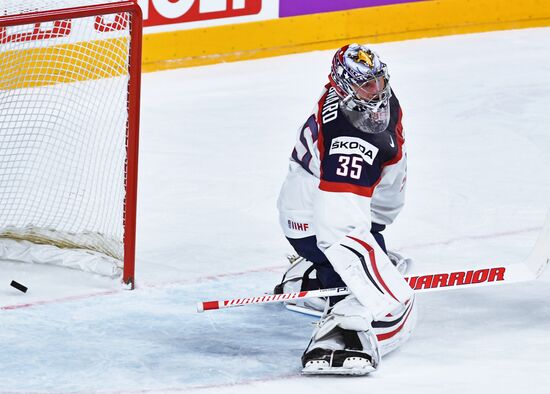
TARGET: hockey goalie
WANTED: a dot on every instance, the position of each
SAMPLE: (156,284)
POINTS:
(346,183)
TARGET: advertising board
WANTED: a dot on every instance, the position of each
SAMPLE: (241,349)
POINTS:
(166,15)
(304,7)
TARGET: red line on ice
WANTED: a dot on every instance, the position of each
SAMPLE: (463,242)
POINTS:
(59,300)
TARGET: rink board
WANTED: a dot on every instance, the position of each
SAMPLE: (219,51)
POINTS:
(295,34)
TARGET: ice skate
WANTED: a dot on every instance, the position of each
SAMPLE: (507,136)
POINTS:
(343,342)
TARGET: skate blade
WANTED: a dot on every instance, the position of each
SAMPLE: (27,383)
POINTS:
(354,368)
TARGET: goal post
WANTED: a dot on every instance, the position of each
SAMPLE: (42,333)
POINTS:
(70,75)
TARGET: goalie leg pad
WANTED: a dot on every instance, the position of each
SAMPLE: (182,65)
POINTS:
(394,330)
(369,273)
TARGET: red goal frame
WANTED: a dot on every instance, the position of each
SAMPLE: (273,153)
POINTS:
(134,89)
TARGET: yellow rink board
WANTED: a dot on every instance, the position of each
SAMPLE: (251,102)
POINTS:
(76,62)
(184,48)
(331,30)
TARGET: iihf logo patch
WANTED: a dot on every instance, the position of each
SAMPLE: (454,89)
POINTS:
(297,226)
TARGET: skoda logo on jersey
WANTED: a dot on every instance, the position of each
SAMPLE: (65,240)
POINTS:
(353,146)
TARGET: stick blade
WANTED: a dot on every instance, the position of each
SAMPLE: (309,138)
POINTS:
(539,258)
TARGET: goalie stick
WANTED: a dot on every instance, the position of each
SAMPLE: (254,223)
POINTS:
(529,269)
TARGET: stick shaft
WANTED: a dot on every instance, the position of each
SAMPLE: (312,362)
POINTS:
(269,298)
(459,279)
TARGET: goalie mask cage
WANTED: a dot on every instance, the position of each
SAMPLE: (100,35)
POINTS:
(69,117)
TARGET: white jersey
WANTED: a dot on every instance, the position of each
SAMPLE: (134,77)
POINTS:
(341,178)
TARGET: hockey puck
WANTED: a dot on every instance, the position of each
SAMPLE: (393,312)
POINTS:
(18,286)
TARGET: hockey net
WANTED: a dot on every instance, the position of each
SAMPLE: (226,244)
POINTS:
(69,115)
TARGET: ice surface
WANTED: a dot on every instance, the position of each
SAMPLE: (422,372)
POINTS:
(214,147)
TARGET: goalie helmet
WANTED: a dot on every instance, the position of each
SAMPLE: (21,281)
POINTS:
(361,80)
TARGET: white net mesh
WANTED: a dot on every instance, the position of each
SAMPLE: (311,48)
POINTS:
(63,130)
(14,7)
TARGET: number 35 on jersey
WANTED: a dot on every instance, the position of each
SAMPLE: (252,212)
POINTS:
(353,153)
